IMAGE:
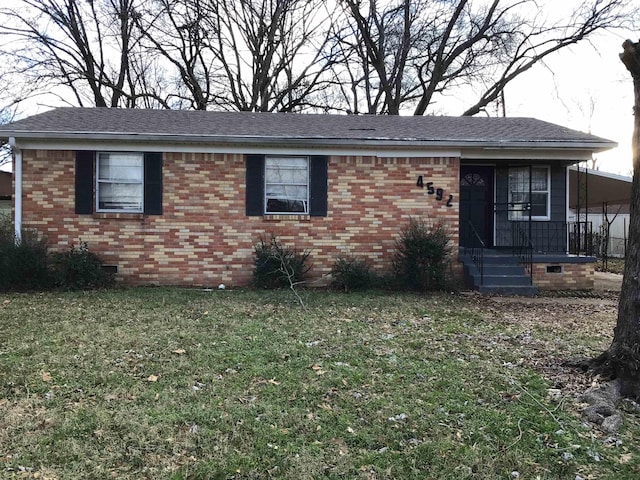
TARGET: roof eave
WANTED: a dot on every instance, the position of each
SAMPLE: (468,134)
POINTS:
(312,141)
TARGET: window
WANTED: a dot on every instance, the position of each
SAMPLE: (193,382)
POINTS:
(286,185)
(118,182)
(529,193)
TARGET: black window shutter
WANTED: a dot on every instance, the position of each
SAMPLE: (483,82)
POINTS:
(318,186)
(84,182)
(153,183)
(255,185)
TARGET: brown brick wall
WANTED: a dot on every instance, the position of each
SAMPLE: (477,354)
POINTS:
(574,276)
(204,236)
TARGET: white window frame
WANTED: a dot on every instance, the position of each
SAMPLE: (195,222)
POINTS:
(271,159)
(101,181)
(524,214)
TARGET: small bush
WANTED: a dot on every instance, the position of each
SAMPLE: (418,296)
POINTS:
(422,256)
(24,262)
(27,265)
(79,269)
(6,229)
(351,273)
(277,266)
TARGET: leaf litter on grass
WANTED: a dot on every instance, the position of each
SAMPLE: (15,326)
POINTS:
(465,381)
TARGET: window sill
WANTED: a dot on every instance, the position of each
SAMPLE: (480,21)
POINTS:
(292,218)
(118,216)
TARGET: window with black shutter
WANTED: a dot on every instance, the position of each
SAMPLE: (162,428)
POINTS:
(125,182)
(283,185)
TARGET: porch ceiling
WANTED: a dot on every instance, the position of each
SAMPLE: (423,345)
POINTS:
(598,188)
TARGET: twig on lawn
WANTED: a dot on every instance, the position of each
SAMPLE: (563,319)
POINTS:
(518,438)
(289,272)
(524,389)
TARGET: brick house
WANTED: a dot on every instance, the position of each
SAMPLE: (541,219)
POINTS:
(181,197)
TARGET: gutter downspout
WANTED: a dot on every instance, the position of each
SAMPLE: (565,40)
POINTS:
(17,194)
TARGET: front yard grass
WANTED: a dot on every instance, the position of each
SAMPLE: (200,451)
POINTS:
(175,383)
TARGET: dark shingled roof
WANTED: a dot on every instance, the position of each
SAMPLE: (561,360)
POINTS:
(235,126)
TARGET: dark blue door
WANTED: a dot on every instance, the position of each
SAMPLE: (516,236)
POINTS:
(476,205)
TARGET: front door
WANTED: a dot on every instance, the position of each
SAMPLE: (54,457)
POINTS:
(476,205)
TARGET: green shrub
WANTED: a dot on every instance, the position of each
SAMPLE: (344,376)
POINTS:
(351,273)
(23,262)
(421,256)
(276,266)
(27,265)
(6,229)
(79,269)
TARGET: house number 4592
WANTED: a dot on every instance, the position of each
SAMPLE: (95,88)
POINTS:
(431,190)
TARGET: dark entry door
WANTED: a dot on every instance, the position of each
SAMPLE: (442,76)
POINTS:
(476,205)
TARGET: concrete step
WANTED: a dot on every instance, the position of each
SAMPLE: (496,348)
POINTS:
(503,275)
(495,269)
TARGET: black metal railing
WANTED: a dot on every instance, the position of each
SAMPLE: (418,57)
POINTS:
(549,237)
(582,240)
(523,248)
(545,237)
(476,250)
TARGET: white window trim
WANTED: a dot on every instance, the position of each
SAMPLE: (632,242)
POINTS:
(539,218)
(98,181)
(308,184)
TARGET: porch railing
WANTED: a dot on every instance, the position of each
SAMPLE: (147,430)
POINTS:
(581,239)
(476,252)
(523,249)
(549,237)
(545,237)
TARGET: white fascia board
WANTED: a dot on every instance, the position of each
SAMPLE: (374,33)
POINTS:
(575,155)
(250,148)
(243,141)
(517,150)
(296,141)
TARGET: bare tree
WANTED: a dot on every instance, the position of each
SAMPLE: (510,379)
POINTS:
(271,55)
(84,51)
(358,56)
(177,32)
(622,359)
(255,55)
(6,116)
(409,53)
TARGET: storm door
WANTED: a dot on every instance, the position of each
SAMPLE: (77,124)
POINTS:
(476,205)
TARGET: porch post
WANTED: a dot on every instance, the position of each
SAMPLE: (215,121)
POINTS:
(579,233)
(530,201)
(586,214)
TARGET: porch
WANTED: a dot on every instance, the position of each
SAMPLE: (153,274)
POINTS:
(533,256)
(514,233)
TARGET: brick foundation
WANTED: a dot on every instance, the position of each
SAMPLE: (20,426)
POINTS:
(573,276)
(204,237)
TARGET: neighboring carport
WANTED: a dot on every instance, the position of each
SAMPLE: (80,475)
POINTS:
(593,189)
(597,198)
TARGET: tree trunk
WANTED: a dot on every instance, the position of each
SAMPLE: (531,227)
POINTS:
(622,359)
